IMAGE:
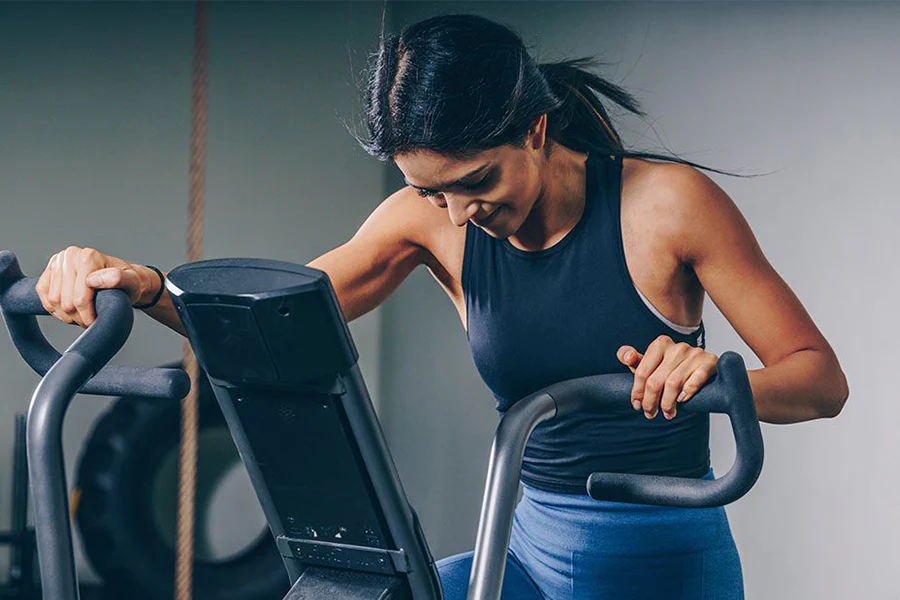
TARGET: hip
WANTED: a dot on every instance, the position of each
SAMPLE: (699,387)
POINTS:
(577,522)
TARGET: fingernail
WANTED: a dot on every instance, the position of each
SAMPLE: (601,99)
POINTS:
(648,415)
(94,280)
(681,397)
(636,404)
(628,355)
(669,416)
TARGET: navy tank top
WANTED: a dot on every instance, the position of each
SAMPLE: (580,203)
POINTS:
(537,318)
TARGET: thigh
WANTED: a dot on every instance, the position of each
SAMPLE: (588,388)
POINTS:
(722,574)
(578,549)
(714,573)
(454,573)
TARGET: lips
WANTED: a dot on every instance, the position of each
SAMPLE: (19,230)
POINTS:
(487,220)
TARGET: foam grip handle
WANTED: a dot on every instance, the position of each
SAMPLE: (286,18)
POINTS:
(728,392)
(20,303)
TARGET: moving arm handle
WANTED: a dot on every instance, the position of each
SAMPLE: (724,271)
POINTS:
(19,303)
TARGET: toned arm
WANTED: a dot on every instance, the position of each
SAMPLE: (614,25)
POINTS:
(802,378)
(366,269)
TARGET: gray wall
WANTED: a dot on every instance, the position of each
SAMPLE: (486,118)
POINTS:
(808,92)
(94,151)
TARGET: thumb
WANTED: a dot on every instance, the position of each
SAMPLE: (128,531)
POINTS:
(105,278)
(629,356)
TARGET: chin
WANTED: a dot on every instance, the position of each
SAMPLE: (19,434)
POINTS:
(499,229)
(499,233)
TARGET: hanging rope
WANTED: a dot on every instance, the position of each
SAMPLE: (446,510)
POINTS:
(187,472)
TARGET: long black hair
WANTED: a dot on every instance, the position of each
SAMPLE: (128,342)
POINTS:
(461,84)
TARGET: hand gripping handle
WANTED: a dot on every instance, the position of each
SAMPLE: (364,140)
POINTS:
(19,303)
(728,392)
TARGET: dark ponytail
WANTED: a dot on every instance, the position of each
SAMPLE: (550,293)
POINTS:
(581,121)
(461,84)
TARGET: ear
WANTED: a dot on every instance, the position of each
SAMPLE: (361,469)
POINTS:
(536,137)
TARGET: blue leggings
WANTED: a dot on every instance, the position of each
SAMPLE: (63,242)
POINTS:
(571,547)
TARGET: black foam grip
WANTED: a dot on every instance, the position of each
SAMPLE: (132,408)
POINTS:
(728,392)
(20,303)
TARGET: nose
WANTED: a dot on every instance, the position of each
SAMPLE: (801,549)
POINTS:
(461,210)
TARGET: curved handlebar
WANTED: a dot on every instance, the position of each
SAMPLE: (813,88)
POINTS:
(727,392)
(20,303)
(82,368)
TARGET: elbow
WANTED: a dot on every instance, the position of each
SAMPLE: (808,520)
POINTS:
(835,396)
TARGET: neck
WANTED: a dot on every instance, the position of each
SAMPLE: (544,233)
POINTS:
(559,205)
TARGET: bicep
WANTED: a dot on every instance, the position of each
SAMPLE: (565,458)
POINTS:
(717,242)
(366,269)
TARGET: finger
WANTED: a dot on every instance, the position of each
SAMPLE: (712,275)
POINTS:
(42,287)
(123,278)
(673,387)
(634,359)
(655,387)
(103,279)
(70,265)
(83,297)
(629,356)
(56,280)
(684,360)
(649,362)
(696,381)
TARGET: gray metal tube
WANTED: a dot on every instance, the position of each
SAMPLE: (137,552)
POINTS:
(19,508)
(501,491)
(46,470)
(64,376)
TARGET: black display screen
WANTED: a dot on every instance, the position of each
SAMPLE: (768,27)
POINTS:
(311,466)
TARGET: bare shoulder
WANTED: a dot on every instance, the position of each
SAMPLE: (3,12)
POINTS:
(666,185)
(397,237)
(410,217)
(677,201)
(418,222)
(426,226)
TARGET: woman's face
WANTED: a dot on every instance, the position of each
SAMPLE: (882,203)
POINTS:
(495,189)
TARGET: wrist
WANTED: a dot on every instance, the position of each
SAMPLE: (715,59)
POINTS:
(152,289)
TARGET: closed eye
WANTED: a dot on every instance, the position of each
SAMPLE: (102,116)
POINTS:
(479,184)
(426,193)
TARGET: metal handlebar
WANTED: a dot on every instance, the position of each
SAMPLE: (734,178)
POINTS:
(727,392)
(20,304)
(81,368)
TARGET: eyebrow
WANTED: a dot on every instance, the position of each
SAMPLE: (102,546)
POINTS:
(461,181)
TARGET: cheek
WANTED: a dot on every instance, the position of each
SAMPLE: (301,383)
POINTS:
(519,194)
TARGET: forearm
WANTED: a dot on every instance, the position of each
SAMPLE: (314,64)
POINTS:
(164,310)
(806,385)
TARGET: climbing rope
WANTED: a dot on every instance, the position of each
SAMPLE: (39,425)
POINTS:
(187,472)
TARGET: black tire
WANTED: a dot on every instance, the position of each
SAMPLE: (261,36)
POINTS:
(119,533)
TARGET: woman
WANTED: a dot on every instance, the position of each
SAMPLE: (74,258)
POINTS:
(565,255)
